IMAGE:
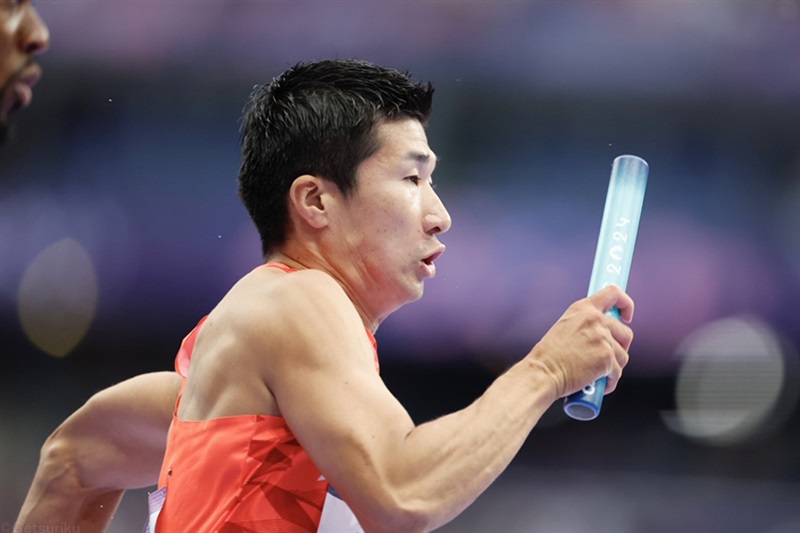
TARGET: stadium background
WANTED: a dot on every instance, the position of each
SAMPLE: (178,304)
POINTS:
(120,228)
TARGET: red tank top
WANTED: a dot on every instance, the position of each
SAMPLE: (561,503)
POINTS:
(237,473)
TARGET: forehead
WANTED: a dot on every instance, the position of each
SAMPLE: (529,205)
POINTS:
(403,141)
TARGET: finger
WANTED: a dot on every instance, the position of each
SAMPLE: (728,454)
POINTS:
(612,296)
(615,375)
(622,334)
(611,384)
(622,357)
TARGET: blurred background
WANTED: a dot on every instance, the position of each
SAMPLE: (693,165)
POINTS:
(120,228)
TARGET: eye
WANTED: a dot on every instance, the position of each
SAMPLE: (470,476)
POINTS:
(413,179)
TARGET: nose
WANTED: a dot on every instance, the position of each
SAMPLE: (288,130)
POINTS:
(438,219)
(34,37)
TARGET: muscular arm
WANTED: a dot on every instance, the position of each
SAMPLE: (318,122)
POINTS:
(400,477)
(114,442)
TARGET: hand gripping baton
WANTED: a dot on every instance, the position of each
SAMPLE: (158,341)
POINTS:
(612,260)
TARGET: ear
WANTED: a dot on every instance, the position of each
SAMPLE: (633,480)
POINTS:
(307,196)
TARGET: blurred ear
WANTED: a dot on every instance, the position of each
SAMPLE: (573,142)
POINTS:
(308,198)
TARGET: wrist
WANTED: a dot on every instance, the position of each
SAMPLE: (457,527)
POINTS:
(544,377)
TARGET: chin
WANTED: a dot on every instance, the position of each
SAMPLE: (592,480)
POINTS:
(411,294)
(416,293)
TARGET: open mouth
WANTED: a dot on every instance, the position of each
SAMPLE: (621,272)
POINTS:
(428,261)
(431,258)
(18,92)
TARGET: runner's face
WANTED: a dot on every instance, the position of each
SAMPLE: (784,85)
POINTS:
(23,35)
(391,222)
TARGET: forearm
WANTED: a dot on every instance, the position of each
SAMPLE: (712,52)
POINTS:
(58,498)
(50,511)
(463,453)
(97,512)
(114,442)
(444,465)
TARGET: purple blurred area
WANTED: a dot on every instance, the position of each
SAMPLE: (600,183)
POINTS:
(131,149)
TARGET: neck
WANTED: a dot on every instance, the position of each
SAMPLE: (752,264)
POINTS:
(357,292)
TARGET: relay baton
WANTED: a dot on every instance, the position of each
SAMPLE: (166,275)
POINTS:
(612,260)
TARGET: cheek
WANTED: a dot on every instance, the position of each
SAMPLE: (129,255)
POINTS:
(384,238)
(6,69)
(389,224)
(395,225)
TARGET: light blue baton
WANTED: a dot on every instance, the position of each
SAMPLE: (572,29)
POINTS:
(612,261)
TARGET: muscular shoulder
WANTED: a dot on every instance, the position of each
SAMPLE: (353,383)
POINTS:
(298,312)
(270,329)
(301,298)
(310,291)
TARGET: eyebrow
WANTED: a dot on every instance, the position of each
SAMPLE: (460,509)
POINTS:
(422,157)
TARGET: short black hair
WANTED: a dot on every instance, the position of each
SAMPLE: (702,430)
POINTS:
(317,118)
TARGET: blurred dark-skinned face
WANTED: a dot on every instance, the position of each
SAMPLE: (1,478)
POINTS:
(23,35)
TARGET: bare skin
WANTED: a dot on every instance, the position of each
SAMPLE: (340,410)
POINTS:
(23,35)
(115,441)
(294,345)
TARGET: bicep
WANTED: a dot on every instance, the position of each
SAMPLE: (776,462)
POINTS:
(347,420)
(328,390)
